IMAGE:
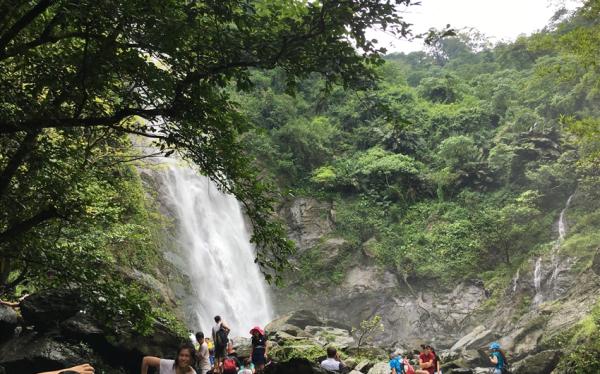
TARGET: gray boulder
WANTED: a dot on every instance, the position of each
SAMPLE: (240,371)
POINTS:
(326,335)
(479,337)
(242,346)
(8,322)
(299,319)
(380,368)
(540,363)
(34,352)
(47,309)
(364,366)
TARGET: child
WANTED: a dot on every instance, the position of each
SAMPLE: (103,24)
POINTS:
(248,367)
(211,350)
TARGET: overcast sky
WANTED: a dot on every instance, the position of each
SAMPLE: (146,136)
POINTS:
(498,19)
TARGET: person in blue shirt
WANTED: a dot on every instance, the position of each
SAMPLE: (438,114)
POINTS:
(497,358)
(396,365)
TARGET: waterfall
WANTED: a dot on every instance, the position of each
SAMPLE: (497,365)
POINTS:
(516,281)
(218,256)
(555,260)
(562,225)
(562,231)
(537,281)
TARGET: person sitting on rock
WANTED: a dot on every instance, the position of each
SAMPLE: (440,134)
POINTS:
(396,365)
(426,361)
(231,363)
(333,362)
(183,363)
(79,369)
(248,367)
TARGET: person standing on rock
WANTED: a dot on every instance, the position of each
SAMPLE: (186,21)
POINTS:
(497,358)
(259,348)
(220,333)
(426,361)
(183,363)
(202,356)
(333,362)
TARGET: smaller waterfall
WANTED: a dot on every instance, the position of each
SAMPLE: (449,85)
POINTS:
(537,281)
(516,281)
(555,260)
(562,224)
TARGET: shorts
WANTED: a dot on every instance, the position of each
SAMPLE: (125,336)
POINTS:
(220,353)
(258,357)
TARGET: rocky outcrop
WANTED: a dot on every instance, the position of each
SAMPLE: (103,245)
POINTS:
(540,363)
(308,220)
(8,322)
(57,333)
(44,310)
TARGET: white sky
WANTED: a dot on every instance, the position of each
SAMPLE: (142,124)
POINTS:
(498,19)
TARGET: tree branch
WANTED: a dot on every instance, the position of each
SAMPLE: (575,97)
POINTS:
(27,18)
(115,119)
(28,224)
(17,160)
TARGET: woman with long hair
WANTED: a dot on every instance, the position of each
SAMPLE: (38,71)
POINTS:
(183,363)
(498,358)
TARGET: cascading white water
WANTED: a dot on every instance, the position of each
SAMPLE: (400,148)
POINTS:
(516,280)
(555,260)
(562,232)
(220,259)
(562,224)
(537,281)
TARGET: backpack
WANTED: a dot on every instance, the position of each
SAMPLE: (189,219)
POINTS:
(505,367)
(408,369)
(229,366)
(221,338)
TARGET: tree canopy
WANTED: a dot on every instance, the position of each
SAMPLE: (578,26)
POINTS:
(78,77)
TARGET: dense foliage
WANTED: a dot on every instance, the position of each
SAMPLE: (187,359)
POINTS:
(457,162)
(77,78)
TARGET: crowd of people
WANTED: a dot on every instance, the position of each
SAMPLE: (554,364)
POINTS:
(428,361)
(213,354)
(216,355)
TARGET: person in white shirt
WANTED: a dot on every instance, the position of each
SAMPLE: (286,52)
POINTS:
(181,365)
(333,362)
(202,355)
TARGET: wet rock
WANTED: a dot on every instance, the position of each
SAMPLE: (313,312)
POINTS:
(8,322)
(540,363)
(46,309)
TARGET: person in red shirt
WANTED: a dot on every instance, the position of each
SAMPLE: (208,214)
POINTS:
(426,361)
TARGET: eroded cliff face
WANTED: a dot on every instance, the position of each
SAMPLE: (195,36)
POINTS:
(548,294)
